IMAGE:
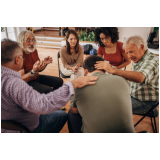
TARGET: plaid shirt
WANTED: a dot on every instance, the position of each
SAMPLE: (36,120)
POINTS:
(149,89)
(22,104)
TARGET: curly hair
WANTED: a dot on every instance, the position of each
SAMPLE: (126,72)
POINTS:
(109,32)
(90,61)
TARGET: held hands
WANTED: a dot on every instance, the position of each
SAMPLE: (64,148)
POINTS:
(104,65)
(48,60)
(38,66)
(83,81)
(75,69)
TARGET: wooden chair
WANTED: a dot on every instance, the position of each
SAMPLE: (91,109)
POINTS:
(11,125)
(152,113)
(59,70)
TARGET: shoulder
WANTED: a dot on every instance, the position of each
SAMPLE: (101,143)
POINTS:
(100,48)
(80,48)
(63,49)
(119,44)
(152,59)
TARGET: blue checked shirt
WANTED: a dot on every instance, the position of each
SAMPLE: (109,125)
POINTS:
(149,89)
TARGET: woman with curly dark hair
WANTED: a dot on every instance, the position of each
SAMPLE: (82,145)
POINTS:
(110,48)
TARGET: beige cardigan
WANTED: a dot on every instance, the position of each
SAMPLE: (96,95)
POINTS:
(70,60)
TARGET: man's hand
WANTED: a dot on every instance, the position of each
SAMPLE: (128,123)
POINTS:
(48,60)
(38,66)
(83,81)
(105,66)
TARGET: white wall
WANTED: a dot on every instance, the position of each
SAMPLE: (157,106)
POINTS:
(125,32)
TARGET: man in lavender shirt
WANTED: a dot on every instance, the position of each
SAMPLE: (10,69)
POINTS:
(22,104)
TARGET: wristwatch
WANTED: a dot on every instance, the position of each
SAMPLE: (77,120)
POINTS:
(32,73)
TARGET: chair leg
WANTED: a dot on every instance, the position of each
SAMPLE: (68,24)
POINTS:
(155,126)
(152,125)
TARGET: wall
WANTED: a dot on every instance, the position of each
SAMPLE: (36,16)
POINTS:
(125,32)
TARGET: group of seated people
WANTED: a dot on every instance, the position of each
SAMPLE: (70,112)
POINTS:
(99,102)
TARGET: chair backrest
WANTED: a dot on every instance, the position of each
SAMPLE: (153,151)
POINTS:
(11,125)
(59,70)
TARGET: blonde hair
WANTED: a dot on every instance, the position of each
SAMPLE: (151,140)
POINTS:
(23,37)
(137,40)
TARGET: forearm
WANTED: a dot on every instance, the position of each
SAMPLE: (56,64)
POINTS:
(124,64)
(133,76)
(37,103)
(26,77)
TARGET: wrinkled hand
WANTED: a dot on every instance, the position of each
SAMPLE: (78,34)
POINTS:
(38,66)
(48,60)
(83,81)
(105,66)
(75,69)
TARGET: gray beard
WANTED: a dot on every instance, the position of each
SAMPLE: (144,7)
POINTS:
(30,49)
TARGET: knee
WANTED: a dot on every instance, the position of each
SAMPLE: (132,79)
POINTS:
(60,82)
(62,114)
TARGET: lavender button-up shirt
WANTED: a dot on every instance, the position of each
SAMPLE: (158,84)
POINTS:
(21,103)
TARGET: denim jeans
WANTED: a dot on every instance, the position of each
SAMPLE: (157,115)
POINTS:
(141,107)
(74,122)
(51,123)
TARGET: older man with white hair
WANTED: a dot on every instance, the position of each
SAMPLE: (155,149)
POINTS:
(144,77)
(30,74)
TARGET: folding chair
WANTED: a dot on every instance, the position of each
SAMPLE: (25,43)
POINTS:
(59,70)
(11,125)
(152,113)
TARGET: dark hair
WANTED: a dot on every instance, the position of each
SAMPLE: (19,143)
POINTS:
(8,49)
(109,32)
(67,43)
(90,61)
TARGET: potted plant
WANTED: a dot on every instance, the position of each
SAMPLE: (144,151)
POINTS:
(3,34)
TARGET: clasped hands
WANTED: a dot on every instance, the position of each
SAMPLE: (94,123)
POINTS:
(75,68)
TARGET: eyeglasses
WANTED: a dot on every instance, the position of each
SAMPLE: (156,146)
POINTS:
(29,40)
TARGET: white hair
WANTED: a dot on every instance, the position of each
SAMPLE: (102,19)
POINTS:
(23,36)
(137,40)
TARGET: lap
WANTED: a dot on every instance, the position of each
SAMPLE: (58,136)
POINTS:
(51,123)
(141,107)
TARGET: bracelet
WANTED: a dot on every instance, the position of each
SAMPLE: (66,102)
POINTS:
(32,73)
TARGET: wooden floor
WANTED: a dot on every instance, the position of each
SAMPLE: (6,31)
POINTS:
(46,33)
(52,69)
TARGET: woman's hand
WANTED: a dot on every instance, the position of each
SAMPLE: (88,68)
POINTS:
(105,66)
(75,69)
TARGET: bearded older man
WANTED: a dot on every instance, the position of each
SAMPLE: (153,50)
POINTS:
(144,77)
(30,74)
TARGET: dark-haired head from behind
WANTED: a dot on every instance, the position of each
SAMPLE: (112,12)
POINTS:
(8,50)
(111,32)
(90,61)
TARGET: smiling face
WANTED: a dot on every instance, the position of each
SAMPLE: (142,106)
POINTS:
(105,40)
(135,53)
(29,44)
(72,40)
